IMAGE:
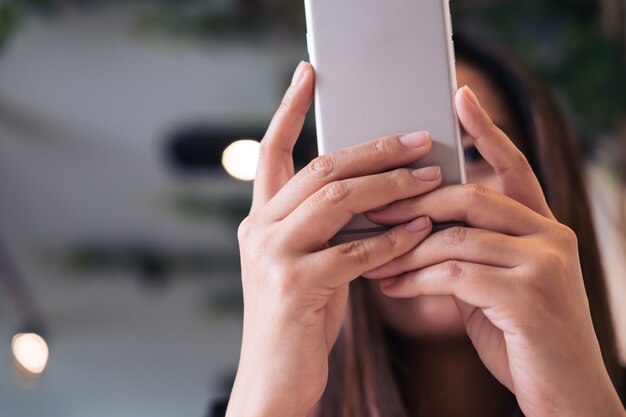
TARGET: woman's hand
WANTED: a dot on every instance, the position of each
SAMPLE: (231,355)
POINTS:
(515,275)
(295,286)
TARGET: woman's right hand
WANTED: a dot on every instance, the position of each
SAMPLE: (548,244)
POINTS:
(295,286)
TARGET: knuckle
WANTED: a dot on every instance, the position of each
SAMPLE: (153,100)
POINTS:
(475,193)
(336,191)
(493,129)
(454,235)
(518,163)
(244,229)
(381,146)
(255,248)
(568,235)
(283,281)
(392,239)
(270,147)
(520,160)
(357,251)
(549,258)
(255,241)
(323,166)
(453,270)
(395,178)
(552,262)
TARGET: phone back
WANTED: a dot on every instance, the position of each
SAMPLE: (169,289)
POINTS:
(384,67)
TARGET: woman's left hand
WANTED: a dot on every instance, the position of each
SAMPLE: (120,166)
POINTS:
(515,275)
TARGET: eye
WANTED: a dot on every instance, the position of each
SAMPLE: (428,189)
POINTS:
(472,155)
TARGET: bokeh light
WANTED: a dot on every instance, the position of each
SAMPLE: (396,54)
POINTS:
(30,352)
(240,159)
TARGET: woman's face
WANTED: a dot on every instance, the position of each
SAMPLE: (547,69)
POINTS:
(438,316)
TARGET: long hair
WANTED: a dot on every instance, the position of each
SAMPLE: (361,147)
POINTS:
(361,373)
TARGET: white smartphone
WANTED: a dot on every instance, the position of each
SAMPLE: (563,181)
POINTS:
(384,67)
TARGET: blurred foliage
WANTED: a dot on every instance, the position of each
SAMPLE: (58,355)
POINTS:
(560,39)
(8,21)
(563,42)
(152,265)
(202,208)
(252,20)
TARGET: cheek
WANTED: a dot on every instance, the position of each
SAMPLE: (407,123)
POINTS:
(420,317)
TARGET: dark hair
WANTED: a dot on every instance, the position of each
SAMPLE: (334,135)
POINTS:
(361,375)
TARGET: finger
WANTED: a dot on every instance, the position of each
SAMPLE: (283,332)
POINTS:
(275,165)
(515,176)
(457,243)
(345,262)
(476,206)
(368,158)
(475,321)
(478,285)
(466,310)
(327,211)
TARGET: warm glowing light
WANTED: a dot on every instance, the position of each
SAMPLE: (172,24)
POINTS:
(240,159)
(30,352)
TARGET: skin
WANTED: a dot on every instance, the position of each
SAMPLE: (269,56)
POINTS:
(513,273)
(437,316)
(429,330)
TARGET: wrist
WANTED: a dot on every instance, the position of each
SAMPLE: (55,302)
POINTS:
(600,398)
(253,398)
(243,407)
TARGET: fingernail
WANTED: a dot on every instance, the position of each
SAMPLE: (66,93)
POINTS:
(389,282)
(419,224)
(415,139)
(299,73)
(471,96)
(427,174)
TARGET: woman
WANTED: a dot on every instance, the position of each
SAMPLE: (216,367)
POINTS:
(493,319)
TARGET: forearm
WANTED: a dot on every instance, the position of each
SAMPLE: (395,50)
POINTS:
(605,403)
(270,382)
(594,397)
(246,400)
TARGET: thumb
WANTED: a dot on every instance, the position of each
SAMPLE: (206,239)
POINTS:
(515,176)
(275,165)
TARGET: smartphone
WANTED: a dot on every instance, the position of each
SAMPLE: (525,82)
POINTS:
(384,67)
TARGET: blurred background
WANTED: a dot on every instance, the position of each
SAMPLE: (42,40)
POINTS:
(120,292)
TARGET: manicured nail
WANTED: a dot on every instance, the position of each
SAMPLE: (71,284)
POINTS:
(415,139)
(389,282)
(299,73)
(419,224)
(471,96)
(427,174)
